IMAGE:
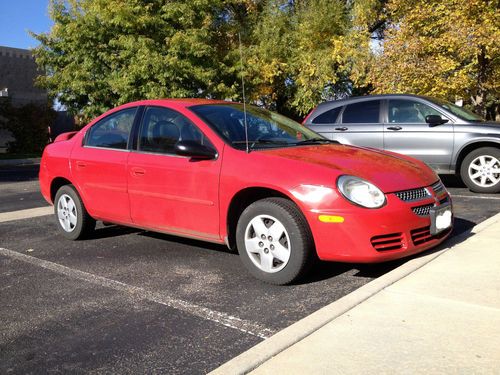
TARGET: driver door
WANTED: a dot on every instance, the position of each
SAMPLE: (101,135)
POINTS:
(170,192)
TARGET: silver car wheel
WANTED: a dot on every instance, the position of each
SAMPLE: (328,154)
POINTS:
(66,213)
(267,243)
(484,171)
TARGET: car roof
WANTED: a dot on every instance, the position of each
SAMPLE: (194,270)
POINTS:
(353,99)
(175,102)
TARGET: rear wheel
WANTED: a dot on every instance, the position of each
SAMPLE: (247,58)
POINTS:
(74,221)
(480,170)
(274,241)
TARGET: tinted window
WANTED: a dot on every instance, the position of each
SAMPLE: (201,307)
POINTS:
(361,113)
(162,128)
(328,117)
(409,111)
(112,131)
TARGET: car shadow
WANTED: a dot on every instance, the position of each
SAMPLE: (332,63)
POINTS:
(188,242)
(112,231)
(452,181)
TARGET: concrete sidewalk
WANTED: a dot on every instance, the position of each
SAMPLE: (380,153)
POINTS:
(436,314)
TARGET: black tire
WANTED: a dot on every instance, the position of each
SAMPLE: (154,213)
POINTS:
(471,161)
(296,238)
(84,223)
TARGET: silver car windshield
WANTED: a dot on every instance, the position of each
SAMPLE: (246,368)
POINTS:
(460,112)
(265,129)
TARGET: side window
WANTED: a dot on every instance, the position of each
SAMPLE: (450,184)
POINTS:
(112,131)
(409,111)
(162,128)
(328,117)
(362,113)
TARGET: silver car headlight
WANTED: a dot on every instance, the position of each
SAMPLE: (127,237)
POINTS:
(360,192)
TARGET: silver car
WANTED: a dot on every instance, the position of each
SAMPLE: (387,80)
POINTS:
(449,138)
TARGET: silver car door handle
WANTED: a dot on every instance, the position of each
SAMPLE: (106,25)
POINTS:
(343,129)
(394,128)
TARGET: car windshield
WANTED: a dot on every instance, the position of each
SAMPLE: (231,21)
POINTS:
(265,129)
(460,112)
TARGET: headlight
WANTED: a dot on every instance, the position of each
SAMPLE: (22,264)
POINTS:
(360,192)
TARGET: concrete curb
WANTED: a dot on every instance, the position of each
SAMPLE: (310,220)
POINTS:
(254,357)
(13,162)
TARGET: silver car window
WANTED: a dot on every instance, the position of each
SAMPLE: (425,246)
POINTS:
(366,112)
(409,111)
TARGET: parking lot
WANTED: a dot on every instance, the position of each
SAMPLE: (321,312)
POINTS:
(133,301)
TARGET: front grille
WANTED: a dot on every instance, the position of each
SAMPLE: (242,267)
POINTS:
(393,241)
(422,235)
(422,210)
(413,195)
(438,187)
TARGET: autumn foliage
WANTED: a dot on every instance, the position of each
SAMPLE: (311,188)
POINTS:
(296,53)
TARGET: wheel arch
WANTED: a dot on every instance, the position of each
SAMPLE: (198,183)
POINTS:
(471,147)
(56,184)
(242,200)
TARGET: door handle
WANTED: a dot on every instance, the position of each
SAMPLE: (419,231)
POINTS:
(138,172)
(394,128)
(342,129)
(81,164)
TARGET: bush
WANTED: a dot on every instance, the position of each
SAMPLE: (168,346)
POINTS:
(28,125)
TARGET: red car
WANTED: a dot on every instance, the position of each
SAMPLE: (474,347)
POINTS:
(252,179)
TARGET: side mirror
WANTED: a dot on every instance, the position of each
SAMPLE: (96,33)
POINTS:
(435,120)
(195,150)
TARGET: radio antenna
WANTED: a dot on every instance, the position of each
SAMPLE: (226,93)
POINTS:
(244,100)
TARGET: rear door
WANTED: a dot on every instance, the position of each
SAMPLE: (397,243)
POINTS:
(406,132)
(170,192)
(361,125)
(99,166)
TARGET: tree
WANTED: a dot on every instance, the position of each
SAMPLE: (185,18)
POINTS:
(444,48)
(102,53)
(291,64)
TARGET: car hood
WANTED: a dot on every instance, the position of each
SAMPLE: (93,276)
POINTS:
(488,127)
(389,171)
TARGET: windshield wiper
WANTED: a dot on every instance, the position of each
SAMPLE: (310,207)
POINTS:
(313,141)
(262,141)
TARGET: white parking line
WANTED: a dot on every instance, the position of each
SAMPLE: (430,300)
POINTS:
(26,214)
(474,197)
(227,320)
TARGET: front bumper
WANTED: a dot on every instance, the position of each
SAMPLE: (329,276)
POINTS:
(397,230)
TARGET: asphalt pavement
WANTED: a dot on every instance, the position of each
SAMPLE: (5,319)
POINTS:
(128,301)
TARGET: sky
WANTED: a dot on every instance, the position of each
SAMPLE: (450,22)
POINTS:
(19,16)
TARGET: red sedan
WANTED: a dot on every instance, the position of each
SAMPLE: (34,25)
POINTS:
(252,179)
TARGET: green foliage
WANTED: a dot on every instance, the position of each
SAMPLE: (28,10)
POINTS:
(444,48)
(101,53)
(28,125)
(297,53)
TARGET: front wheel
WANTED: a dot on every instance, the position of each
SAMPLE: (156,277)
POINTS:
(74,221)
(274,241)
(480,170)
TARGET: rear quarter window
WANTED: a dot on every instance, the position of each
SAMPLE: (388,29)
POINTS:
(328,117)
